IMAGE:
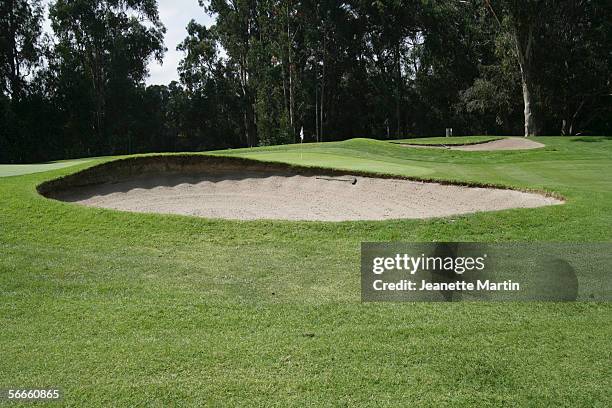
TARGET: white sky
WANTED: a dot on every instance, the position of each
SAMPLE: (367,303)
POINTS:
(175,14)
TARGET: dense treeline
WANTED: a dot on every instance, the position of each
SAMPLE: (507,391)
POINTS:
(267,68)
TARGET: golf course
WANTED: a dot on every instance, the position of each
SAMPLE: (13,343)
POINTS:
(119,308)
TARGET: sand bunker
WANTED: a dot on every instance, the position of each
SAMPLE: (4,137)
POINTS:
(509,143)
(247,193)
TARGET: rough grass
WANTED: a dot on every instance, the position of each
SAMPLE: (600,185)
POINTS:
(142,309)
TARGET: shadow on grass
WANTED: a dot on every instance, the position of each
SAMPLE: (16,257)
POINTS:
(591,139)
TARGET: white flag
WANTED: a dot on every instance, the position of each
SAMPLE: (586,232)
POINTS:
(302,134)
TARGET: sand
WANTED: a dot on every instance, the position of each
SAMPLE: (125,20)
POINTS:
(509,143)
(251,195)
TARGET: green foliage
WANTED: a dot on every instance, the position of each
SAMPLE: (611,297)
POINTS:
(562,49)
(266,69)
(21,43)
(105,43)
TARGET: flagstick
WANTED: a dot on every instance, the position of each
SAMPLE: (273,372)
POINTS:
(301,143)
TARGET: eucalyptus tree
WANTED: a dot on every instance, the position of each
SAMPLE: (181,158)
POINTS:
(520,20)
(209,114)
(20,43)
(575,67)
(237,29)
(561,48)
(106,45)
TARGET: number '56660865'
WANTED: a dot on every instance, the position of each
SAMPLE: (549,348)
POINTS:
(33,394)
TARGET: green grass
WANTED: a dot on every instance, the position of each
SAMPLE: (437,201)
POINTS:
(123,309)
(449,141)
(7,170)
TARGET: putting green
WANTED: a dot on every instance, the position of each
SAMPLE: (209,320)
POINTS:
(309,158)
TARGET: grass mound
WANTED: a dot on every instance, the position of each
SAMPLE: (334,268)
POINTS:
(448,141)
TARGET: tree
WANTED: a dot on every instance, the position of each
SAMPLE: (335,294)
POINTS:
(519,19)
(210,115)
(108,44)
(562,51)
(20,43)
(575,69)
(21,49)
(237,29)
(266,68)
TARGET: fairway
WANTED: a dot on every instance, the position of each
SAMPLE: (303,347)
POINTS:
(134,309)
(7,170)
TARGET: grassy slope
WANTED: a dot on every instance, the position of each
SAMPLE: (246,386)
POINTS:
(123,309)
(449,141)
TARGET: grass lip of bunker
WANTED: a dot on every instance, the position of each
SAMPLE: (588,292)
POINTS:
(246,189)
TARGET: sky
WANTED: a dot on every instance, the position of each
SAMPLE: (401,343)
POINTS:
(175,14)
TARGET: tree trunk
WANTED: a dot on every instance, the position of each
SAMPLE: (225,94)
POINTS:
(316,111)
(13,57)
(530,119)
(245,116)
(322,89)
(96,69)
(291,96)
(245,97)
(398,91)
(523,41)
